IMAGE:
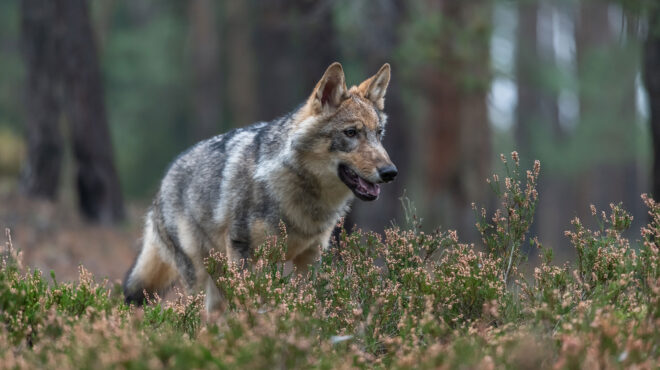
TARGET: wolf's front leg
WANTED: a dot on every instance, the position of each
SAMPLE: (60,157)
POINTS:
(214,299)
(308,257)
(312,254)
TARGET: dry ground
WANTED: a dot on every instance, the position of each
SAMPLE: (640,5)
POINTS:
(52,236)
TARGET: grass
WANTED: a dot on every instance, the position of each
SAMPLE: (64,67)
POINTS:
(405,299)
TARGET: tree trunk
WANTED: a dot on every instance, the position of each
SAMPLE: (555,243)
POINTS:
(526,67)
(537,110)
(62,57)
(608,104)
(318,45)
(205,62)
(295,45)
(99,193)
(652,81)
(242,96)
(278,78)
(457,133)
(41,173)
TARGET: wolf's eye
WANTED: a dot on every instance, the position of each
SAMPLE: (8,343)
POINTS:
(350,132)
(380,132)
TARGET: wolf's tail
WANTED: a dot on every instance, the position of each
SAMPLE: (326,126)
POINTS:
(150,272)
(134,288)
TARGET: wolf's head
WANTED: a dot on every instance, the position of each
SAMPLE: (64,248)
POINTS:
(339,131)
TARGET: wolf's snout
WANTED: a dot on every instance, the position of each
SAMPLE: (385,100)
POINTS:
(388,173)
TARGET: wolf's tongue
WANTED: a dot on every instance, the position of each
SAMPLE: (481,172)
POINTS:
(368,188)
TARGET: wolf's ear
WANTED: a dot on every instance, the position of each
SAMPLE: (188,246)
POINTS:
(330,91)
(375,87)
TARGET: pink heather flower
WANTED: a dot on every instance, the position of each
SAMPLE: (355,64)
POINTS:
(530,177)
(537,167)
(514,156)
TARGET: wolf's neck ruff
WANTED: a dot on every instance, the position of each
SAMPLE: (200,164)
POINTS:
(230,192)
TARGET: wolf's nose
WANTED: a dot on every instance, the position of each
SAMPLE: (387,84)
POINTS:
(387,173)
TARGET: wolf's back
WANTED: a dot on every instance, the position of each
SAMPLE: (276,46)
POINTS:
(208,187)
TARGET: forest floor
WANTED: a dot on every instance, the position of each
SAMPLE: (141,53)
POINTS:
(52,236)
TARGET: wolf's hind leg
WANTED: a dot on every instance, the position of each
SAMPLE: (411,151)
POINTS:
(195,243)
(202,281)
(150,271)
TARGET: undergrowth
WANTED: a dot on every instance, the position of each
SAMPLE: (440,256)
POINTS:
(404,299)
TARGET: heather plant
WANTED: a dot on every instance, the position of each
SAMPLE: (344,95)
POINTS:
(404,299)
(649,254)
(604,273)
(181,315)
(78,298)
(27,299)
(22,297)
(603,254)
(551,295)
(505,232)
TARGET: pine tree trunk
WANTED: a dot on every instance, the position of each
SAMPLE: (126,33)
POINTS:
(279,84)
(652,82)
(295,45)
(241,91)
(99,193)
(40,40)
(457,133)
(205,62)
(526,64)
(63,70)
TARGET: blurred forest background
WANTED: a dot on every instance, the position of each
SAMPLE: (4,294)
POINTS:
(97,97)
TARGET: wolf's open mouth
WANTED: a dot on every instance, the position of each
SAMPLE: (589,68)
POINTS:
(362,188)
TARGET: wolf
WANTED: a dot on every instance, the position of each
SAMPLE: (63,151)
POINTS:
(231,191)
